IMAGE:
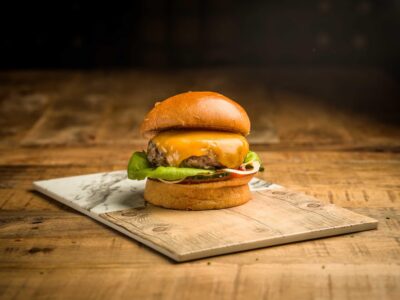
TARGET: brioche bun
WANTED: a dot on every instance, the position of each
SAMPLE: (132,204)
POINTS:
(199,196)
(196,110)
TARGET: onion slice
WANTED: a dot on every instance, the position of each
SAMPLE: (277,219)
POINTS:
(171,181)
(256,167)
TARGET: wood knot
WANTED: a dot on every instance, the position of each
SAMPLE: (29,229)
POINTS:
(313,205)
(279,193)
(129,214)
(35,250)
(160,228)
(37,220)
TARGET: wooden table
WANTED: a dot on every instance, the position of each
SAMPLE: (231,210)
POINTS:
(320,131)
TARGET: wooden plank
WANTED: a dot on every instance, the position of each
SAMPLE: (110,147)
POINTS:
(26,200)
(309,281)
(304,120)
(18,112)
(42,239)
(211,281)
(68,156)
(133,95)
(169,282)
(75,112)
(272,217)
(24,96)
(101,108)
(256,98)
(60,125)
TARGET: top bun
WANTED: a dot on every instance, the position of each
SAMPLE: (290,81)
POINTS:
(197,110)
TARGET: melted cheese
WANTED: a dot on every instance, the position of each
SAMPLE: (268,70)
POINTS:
(230,149)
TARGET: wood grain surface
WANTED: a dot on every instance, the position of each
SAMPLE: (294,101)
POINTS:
(311,127)
(272,217)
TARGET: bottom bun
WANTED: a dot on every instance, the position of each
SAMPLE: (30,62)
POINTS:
(199,196)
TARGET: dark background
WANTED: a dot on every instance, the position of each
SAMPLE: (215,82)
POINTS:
(180,34)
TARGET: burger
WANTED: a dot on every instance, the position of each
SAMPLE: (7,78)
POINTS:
(197,156)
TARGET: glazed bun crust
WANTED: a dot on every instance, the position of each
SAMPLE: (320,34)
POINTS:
(196,110)
(201,196)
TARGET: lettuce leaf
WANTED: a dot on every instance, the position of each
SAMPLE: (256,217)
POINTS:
(167,173)
(252,156)
(138,161)
(139,168)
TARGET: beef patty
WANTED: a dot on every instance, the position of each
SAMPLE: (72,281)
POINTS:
(158,158)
